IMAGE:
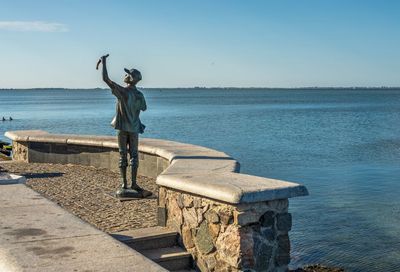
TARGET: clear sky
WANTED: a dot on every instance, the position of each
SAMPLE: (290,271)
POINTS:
(47,43)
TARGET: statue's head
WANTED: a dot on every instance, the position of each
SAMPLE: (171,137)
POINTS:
(132,76)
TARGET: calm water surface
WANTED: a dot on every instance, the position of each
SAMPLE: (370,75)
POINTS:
(343,145)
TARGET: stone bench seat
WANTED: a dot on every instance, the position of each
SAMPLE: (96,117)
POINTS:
(194,169)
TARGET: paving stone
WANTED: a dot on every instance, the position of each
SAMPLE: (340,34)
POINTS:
(84,191)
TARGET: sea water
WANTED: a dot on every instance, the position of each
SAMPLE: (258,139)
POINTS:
(344,145)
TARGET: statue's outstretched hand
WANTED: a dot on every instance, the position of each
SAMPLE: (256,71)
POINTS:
(102,59)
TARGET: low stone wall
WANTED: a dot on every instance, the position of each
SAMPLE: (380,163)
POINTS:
(228,221)
(102,157)
(225,237)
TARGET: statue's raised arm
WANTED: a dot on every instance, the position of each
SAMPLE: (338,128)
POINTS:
(106,79)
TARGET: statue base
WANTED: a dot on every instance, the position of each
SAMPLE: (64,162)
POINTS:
(131,194)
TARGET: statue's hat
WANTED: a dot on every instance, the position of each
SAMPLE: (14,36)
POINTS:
(134,73)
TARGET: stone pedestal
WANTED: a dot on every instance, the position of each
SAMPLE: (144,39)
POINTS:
(130,194)
(230,237)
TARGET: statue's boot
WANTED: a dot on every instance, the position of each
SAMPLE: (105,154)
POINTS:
(124,192)
(135,186)
(124,182)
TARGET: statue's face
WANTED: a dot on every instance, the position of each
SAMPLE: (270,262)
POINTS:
(128,79)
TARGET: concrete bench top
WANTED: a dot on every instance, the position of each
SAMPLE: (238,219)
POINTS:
(37,235)
(194,169)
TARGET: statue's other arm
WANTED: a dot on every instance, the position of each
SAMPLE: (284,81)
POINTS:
(143,104)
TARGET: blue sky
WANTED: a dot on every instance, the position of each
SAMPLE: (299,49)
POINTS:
(201,43)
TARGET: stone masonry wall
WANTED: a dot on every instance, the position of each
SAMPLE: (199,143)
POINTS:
(20,151)
(226,237)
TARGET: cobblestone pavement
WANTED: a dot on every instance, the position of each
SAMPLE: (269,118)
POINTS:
(85,191)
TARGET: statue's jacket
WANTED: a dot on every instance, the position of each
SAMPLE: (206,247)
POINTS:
(130,102)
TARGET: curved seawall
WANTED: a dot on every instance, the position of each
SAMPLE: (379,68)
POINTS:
(226,219)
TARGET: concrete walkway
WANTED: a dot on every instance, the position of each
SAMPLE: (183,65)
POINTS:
(38,235)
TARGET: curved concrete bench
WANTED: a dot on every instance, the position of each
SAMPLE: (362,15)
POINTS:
(194,169)
(202,195)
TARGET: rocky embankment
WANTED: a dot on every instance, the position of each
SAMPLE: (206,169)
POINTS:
(318,268)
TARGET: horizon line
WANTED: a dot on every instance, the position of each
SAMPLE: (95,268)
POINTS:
(198,87)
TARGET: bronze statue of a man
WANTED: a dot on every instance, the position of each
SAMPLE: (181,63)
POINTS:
(130,101)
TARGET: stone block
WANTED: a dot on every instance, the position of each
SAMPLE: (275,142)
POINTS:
(174,214)
(187,237)
(105,160)
(187,201)
(248,249)
(211,262)
(161,216)
(255,206)
(141,169)
(245,218)
(268,219)
(214,230)
(197,202)
(228,246)
(284,244)
(165,163)
(179,200)
(283,268)
(150,159)
(284,222)
(190,217)
(279,205)
(282,260)
(204,243)
(268,233)
(263,254)
(73,158)
(148,167)
(283,252)
(162,197)
(20,151)
(225,267)
(56,158)
(226,215)
(201,264)
(200,216)
(114,159)
(37,156)
(161,166)
(99,160)
(212,216)
(84,158)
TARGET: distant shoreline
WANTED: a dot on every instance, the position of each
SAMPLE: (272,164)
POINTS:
(213,88)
